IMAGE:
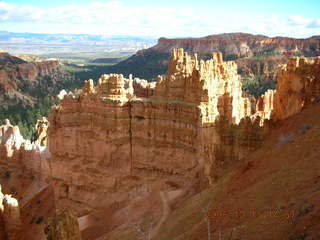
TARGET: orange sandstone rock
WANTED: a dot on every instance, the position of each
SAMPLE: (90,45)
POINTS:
(10,222)
(41,131)
(107,134)
(298,83)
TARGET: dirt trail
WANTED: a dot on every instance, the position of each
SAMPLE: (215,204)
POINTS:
(165,213)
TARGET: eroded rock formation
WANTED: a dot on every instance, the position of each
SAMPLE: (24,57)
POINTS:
(298,84)
(41,131)
(11,139)
(170,136)
(19,153)
(10,222)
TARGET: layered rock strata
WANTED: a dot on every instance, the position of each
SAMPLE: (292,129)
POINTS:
(257,56)
(106,140)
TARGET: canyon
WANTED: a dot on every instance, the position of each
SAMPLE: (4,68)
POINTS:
(21,80)
(126,154)
(257,56)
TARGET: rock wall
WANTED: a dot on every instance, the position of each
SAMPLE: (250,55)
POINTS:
(148,143)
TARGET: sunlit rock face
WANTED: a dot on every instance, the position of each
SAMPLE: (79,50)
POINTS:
(298,84)
(214,85)
(11,139)
(107,141)
(17,153)
(265,105)
(41,131)
(10,221)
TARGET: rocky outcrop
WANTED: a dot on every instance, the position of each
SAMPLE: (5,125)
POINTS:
(213,83)
(10,222)
(11,139)
(63,226)
(18,153)
(142,88)
(41,131)
(168,137)
(298,84)
(265,105)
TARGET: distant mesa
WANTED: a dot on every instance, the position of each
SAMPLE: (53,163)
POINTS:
(106,60)
(257,56)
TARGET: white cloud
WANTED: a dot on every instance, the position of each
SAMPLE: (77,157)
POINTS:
(314,24)
(116,18)
(298,21)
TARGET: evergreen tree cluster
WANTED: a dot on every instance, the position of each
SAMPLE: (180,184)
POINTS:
(26,116)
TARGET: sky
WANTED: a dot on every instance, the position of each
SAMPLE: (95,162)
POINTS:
(162,18)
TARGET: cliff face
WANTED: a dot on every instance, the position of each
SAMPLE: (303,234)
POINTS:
(125,148)
(241,44)
(20,80)
(179,136)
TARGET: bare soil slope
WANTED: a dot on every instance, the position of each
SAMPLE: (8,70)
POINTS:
(274,195)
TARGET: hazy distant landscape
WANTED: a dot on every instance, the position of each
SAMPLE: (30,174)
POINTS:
(77,48)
